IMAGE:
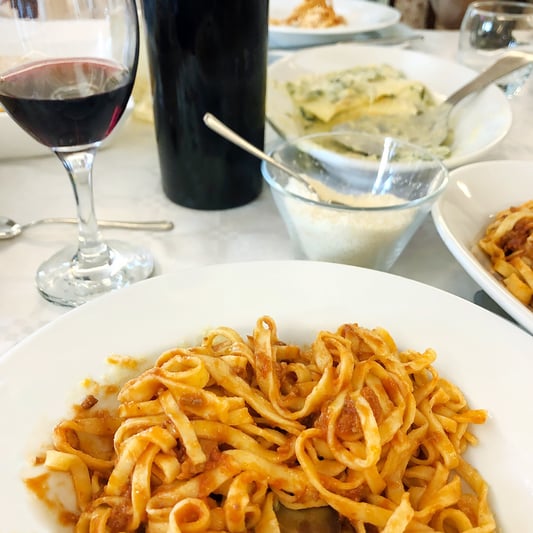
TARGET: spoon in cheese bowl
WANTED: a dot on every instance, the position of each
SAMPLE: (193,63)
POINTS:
(316,188)
(313,186)
(389,196)
(341,207)
(328,157)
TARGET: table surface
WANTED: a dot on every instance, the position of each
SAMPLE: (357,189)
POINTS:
(127,186)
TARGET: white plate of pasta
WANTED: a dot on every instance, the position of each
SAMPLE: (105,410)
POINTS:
(319,76)
(264,398)
(296,23)
(475,195)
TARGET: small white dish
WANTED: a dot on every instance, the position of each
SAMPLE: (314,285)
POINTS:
(479,125)
(360,15)
(16,143)
(477,192)
(40,378)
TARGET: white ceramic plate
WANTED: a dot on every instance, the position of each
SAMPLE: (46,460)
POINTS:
(480,124)
(360,15)
(16,143)
(39,377)
(476,193)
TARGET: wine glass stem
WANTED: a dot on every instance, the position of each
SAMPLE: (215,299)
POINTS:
(92,251)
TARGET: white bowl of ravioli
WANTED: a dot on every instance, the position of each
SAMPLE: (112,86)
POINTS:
(320,82)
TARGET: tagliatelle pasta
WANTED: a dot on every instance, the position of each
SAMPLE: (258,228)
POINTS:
(312,14)
(221,436)
(508,242)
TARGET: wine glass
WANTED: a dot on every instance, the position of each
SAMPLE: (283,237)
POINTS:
(493,28)
(67,69)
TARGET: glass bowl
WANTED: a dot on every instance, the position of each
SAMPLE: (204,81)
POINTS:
(389,184)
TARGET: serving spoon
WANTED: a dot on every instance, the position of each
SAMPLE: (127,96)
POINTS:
(10,229)
(431,127)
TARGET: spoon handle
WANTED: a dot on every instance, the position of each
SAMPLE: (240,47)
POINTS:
(312,185)
(153,225)
(505,65)
(224,131)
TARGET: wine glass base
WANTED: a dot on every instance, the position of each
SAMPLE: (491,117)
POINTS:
(61,280)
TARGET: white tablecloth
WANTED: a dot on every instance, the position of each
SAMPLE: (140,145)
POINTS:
(127,186)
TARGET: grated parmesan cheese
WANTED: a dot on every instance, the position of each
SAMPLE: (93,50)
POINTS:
(371,238)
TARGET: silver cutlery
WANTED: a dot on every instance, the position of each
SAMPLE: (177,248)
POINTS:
(10,229)
(432,125)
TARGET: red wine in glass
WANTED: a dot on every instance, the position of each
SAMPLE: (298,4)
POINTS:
(49,92)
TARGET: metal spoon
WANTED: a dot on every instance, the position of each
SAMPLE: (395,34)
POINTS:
(314,186)
(219,127)
(431,127)
(9,228)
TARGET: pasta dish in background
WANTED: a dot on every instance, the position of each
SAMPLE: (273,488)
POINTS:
(226,435)
(312,14)
(508,242)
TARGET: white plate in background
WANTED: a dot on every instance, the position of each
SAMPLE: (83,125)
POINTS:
(475,348)
(479,125)
(360,15)
(475,194)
